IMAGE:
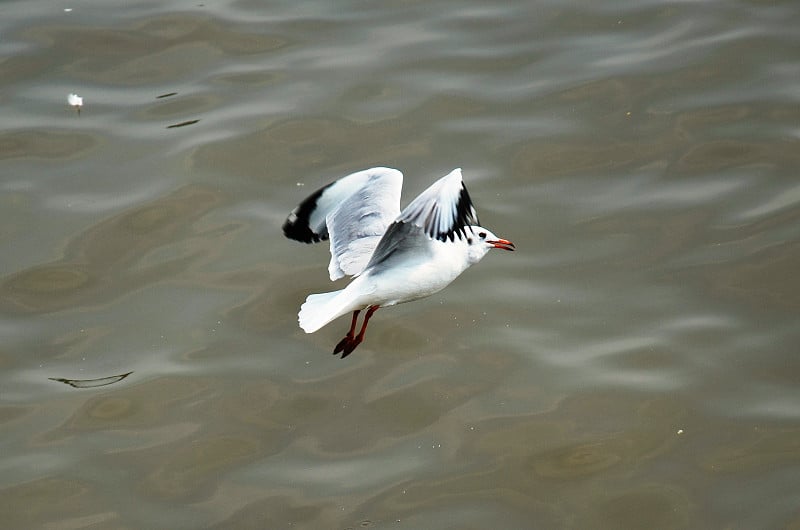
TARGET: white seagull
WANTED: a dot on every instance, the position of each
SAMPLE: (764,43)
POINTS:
(394,256)
(74,100)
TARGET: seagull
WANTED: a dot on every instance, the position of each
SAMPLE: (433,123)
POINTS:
(74,100)
(394,256)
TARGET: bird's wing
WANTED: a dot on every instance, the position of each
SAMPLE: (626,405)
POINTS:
(402,243)
(353,212)
(442,212)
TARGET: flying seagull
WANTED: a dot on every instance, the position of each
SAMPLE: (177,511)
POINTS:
(394,256)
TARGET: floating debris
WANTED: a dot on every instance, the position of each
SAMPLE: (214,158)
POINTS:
(76,101)
(182,124)
(169,94)
(91,383)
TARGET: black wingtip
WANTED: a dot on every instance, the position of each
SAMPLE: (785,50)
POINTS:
(298,229)
(465,215)
(298,225)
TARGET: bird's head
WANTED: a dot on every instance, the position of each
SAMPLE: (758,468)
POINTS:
(481,241)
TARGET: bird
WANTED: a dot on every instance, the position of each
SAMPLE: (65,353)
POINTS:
(74,100)
(393,256)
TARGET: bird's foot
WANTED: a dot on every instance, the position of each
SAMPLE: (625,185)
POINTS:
(342,344)
(347,345)
(350,341)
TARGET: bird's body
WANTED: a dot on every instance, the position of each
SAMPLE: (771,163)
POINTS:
(395,256)
(383,286)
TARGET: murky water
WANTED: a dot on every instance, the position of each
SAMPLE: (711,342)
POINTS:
(633,365)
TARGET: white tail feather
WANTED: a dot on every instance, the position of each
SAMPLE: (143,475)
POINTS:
(319,309)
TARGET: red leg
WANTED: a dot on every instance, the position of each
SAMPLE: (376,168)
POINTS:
(370,311)
(352,343)
(350,334)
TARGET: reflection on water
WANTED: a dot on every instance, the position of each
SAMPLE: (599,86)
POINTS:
(103,262)
(291,149)
(149,51)
(43,144)
(634,365)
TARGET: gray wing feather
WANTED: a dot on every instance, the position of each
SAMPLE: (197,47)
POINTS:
(356,225)
(443,211)
(400,239)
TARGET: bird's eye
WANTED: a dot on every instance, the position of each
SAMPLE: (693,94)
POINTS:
(469,241)
(483,235)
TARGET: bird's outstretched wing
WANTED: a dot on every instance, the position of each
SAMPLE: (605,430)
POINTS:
(443,212)
(353,212)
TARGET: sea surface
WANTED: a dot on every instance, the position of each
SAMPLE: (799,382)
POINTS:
(635,364)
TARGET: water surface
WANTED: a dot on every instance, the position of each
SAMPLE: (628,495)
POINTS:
(632,365)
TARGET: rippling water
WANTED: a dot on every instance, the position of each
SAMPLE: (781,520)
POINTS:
(633,365)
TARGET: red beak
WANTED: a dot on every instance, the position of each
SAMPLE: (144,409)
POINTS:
(501,243)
